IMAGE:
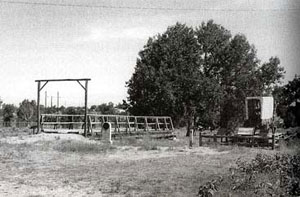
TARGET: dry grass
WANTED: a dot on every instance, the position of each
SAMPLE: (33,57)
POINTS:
(13,131)
(82,147)
(129,167)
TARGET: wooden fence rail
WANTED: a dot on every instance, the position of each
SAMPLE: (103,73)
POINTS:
(249,139)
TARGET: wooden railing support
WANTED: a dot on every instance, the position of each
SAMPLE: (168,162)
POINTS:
(200,138)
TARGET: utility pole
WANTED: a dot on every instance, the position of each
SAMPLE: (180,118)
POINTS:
(57,100)
(45,99)
(51,100)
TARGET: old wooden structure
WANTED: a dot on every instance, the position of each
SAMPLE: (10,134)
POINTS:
(258,128)
(122,125)
(43,82)
(92,124)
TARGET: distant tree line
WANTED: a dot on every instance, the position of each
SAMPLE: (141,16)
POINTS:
(26,112)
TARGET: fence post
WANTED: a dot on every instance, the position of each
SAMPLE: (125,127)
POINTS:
(215,138)
(191,138)
(200,138)
(135,124)
(273,139)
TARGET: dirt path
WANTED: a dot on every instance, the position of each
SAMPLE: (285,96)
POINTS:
(29,167)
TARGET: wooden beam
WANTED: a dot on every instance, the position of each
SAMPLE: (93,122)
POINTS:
(90,125)
(43,85)
(38,107)
(128,123)
(80,79)
(135,124)
(158,127)
(146,124)
(124,116)
(81,84)
(172,127)
(85,108)
(63,115)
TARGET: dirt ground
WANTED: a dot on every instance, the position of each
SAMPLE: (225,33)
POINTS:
(71,165)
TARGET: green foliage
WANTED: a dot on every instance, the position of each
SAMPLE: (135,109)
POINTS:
(27,110)
(204,68)
(8,112)
(274,175)
(166,74)
(105,108)
(210,188)
(288,107)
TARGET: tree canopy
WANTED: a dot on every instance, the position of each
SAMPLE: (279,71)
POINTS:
(8,112)
(288,106)
(27,110)
(203,69)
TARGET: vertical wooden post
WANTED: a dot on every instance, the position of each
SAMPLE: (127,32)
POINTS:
(166,124)
(85,108)
(172,127)
(215,138)
(135,124)
(273,138)
(157,123)
(146,124)
(200,138)
(128,123)
(191,138)
(42,121)
(38,107)
(117,125)
(90,125)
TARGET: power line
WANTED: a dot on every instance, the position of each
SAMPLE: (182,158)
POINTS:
(143,8)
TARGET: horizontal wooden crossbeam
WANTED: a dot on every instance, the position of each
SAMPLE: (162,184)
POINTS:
(45,80)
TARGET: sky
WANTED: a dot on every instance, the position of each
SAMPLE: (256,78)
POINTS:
(101,41)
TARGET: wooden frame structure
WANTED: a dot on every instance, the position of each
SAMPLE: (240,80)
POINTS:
(269,141)
(248,135)
(125,125)
(40,86)
(121,125)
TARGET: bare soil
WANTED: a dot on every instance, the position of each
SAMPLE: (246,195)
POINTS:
(36,165)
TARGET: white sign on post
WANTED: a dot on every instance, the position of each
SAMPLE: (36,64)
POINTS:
(106,132)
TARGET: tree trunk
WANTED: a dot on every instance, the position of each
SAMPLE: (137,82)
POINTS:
(189,116)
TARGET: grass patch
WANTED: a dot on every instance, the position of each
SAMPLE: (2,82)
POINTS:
(149,143)
(83,147)
(146,143)
(11,151)
(13,131)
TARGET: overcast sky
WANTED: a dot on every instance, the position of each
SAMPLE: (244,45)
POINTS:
(46,41)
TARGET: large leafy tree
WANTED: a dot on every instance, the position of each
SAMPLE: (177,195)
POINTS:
(166,74)
(205,72)
(233,63)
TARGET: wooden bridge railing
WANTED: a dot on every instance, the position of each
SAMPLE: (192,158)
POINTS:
(121,124)
(131,124)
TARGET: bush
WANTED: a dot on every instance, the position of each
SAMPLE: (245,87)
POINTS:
(268,174)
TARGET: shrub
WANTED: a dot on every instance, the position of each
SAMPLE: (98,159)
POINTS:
(268,174)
